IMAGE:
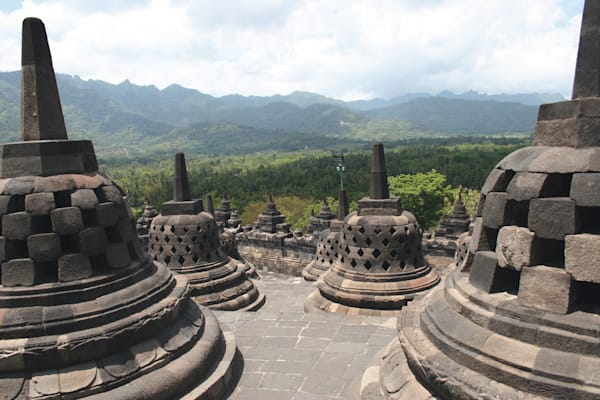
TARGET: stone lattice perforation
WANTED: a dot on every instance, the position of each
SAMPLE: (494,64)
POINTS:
(552,206)
(185,244)
(380,249)
(63,228)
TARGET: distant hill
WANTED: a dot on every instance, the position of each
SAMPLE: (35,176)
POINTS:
(439,114)
(129,118)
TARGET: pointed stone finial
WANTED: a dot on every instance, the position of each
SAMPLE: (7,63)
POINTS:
(41,111)
(342,205)
(181,186)
(210,208)
(587,71)
(379,186)
(459,200)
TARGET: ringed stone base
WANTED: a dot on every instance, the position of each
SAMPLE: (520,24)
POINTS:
(466,344)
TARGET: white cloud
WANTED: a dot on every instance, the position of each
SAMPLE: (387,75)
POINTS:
(355,48)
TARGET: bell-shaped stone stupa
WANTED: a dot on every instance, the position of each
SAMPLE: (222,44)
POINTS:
(380,263)
(186,239)
(84,312)
(522,321)
(328,239)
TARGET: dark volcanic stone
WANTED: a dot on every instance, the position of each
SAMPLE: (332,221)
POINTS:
(488,276)
(553,218)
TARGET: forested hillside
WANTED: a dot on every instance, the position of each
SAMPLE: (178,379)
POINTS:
(132,121)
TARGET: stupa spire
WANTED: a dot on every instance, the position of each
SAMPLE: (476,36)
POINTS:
(181,186)
(587,71)
(379,185)
(41,112)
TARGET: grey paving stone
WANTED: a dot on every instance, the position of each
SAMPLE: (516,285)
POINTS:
(279,381)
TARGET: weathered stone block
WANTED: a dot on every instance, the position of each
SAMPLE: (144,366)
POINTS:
(117,255)
(582,257)
(39,203)
(20,272)
(497,181)
(106,214)
(10,249)
(67,220)
(546,288)
(111,193)
(572,123)
(526,186)
(515,247)
(92,241)
(17,226)
(553,217)
(488,276)
(494,210)
(85,199)
(585,189)
(44,247)
(72,267)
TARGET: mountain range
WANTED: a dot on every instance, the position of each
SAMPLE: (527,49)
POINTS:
(134,120)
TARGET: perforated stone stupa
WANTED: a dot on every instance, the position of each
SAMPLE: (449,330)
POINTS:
(186,239)
(380,264)
(454,224)
(84,312)
(328,240)
(522,320)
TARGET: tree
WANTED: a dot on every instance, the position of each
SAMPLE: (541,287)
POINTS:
(423,194)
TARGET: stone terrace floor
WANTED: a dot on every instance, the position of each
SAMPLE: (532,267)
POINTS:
(290,355)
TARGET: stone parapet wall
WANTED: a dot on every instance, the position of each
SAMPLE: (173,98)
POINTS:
(276,254)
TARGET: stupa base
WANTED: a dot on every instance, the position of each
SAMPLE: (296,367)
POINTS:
(463,343)
(316,302)
(311,273)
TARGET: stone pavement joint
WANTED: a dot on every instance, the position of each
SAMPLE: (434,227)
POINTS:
(290,355)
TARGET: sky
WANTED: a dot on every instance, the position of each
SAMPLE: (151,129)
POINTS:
(346,49)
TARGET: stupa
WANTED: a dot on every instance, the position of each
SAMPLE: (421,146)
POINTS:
(186,239)
(323,219)
(142,226)
(523,320)
(271,220)
(85,313)
(380,264)
(454,224)
(327,240)
(223,212)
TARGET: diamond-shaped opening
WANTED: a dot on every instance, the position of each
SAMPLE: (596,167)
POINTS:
(377,230)
(393,253)
(385,265)
(167,259)
(181,260)
(173,249)
(385,241)
(347,250)
(172,229)
(167,239)
(368,265)
(342,259)
(327,254)
(160,249)
(368,241)
(328,241)
(188,249)
(360,252)
(406,229)
(322,260)
(361,229)
(376,253)
(353,263)
(179,239)
(186,229)
(195,258)
(402,264)
(349,228)
(392,230)
(162,228)
(331,261)
(354,239)
(193,239)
